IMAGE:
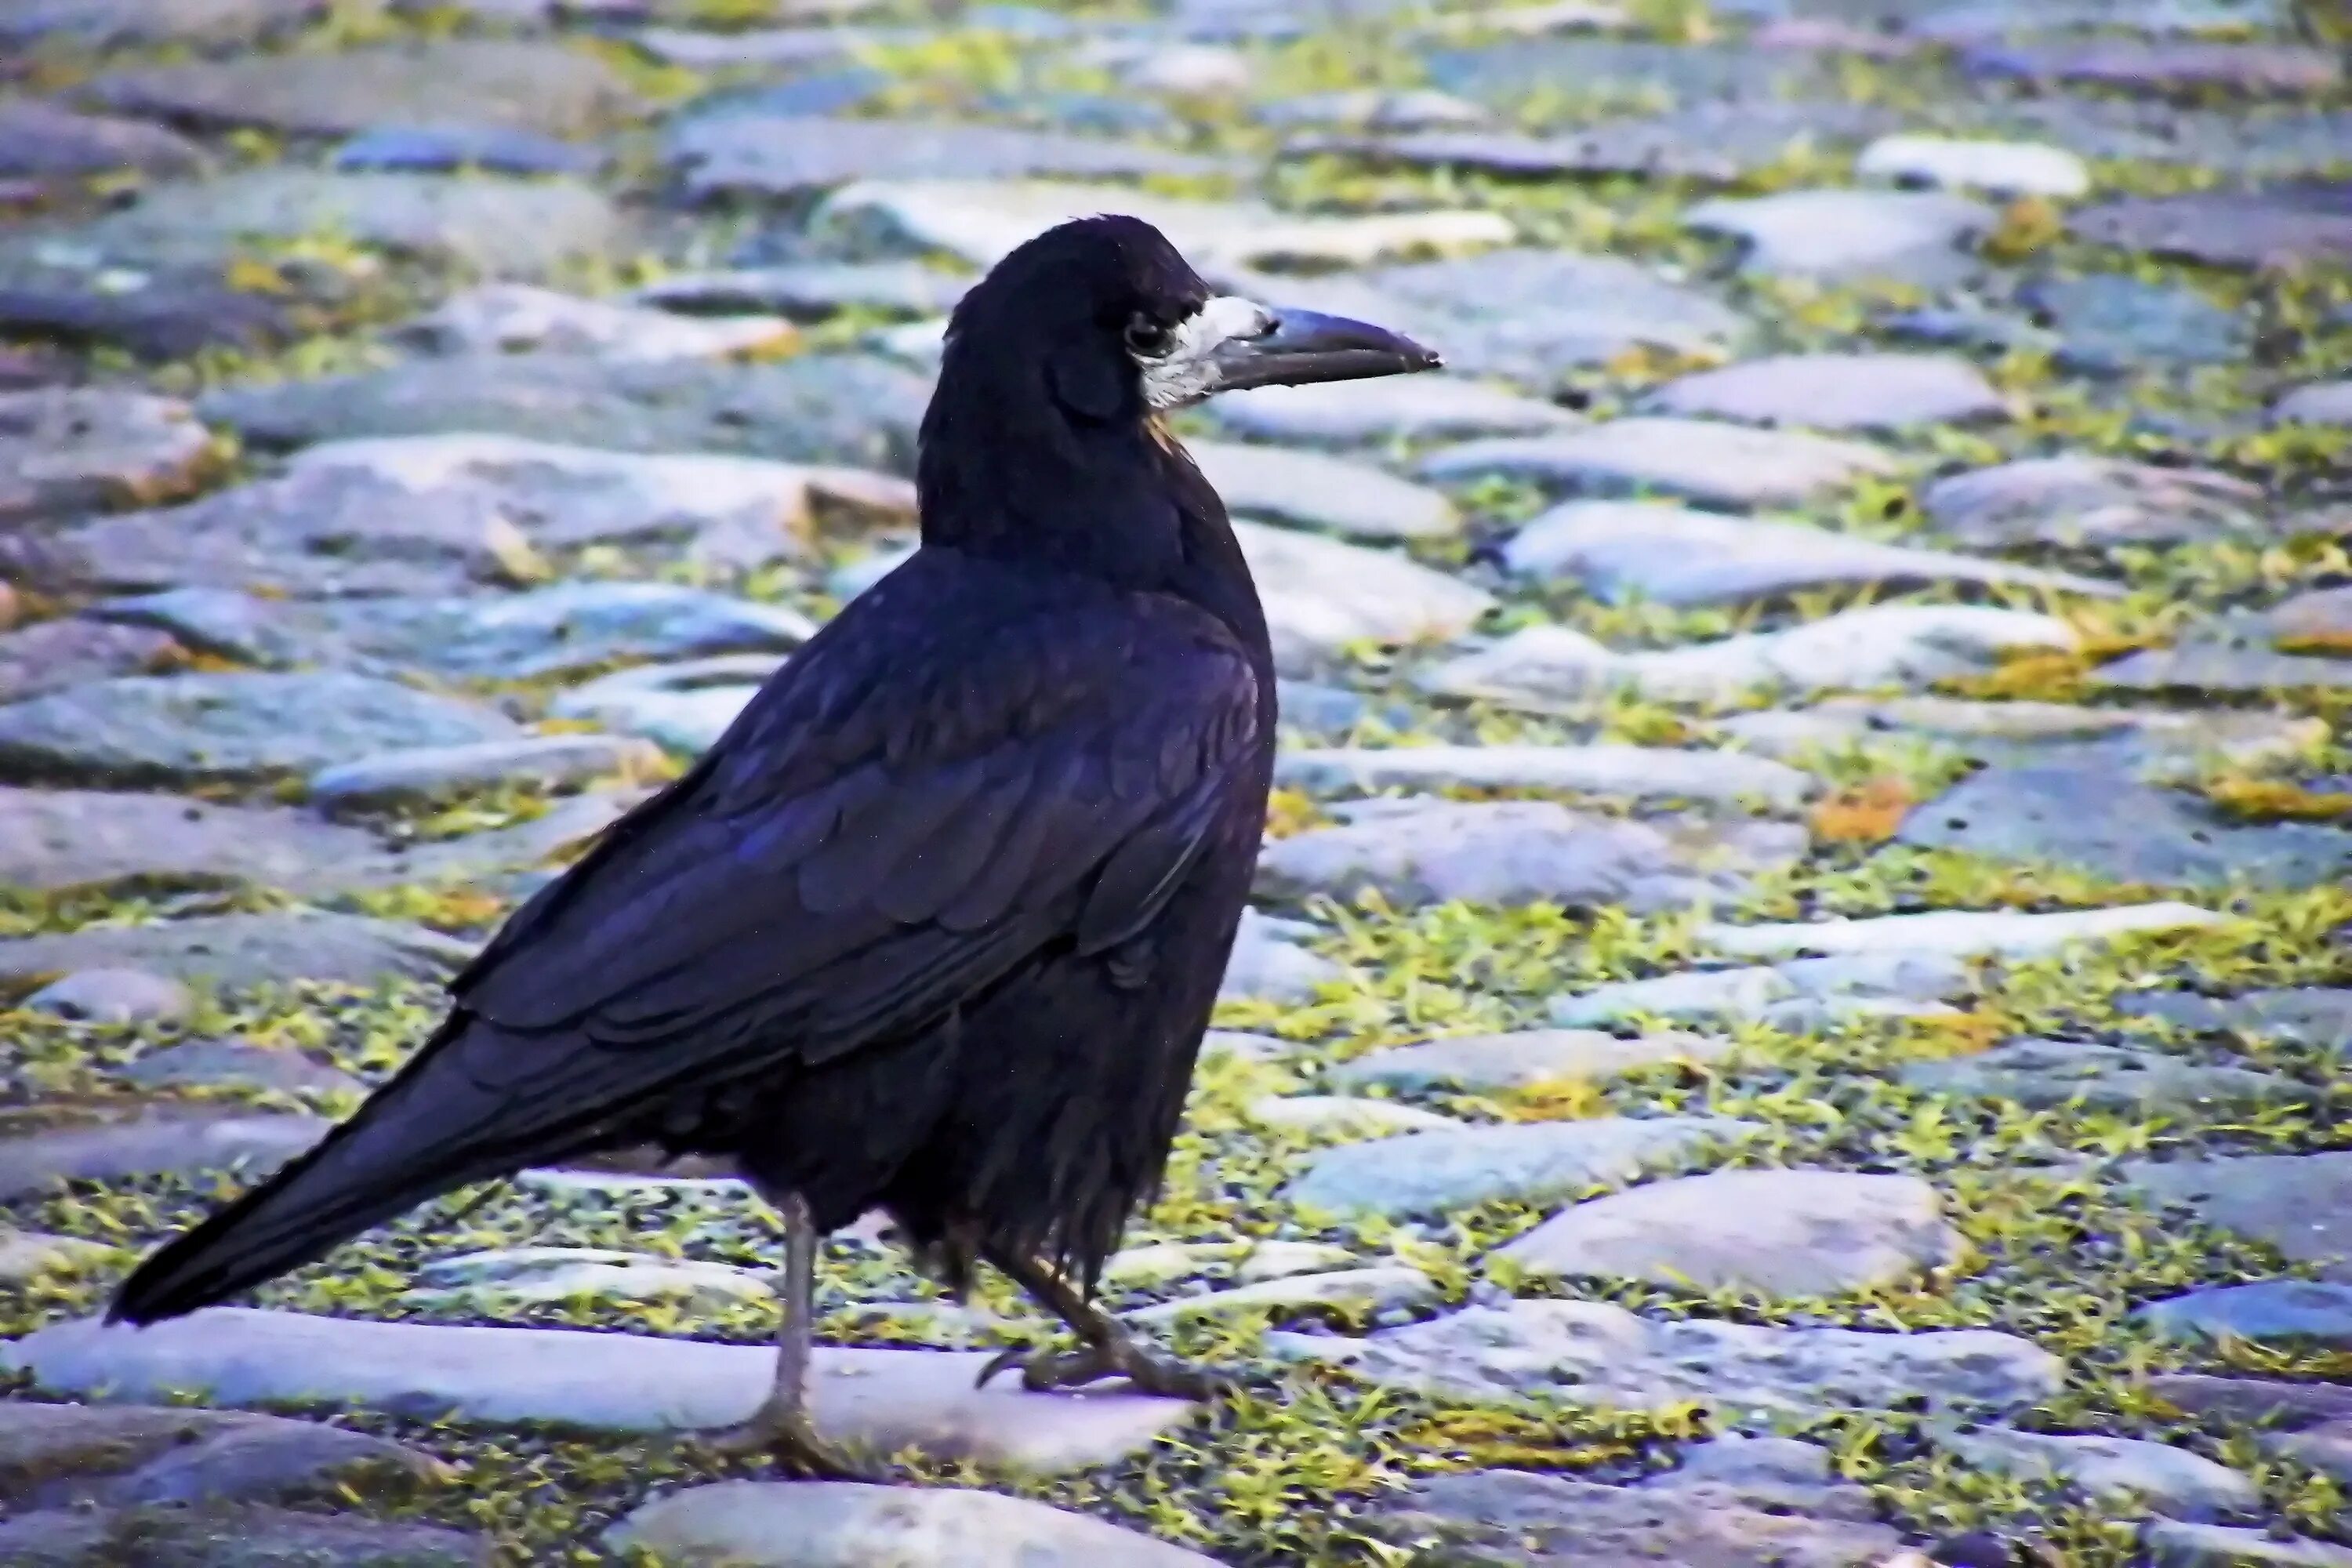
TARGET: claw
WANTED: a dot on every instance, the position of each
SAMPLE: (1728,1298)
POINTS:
(788,1436)
(1001,1361)
(1150,1370)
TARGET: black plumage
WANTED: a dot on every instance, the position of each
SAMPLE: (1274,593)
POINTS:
(938,925)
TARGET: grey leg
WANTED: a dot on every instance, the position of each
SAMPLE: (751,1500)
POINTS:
(783,1425)
(1109,1350)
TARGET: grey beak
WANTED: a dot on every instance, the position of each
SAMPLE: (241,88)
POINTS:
(1307,346)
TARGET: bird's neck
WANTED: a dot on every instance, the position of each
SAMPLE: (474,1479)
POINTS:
(1125,507)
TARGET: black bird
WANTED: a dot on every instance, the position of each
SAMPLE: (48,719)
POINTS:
(938,924)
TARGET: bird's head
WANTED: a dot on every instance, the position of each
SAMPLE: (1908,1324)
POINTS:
(1115,327)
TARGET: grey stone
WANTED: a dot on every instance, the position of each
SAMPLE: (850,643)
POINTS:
(501,226)
(1319,711)
(2299,1203)
(1530,1520)
(2115,325)
(2284,227)
(232,1064)
(2161,66)
(814,292)
(1699,460)
(2322,403)
(1672,555)
(72,449)
(1338,1115)
(1710,144)
(2308,1014)
(102,23)
(817,408)
(2047,1073)
(57,289)
(1548,668)
(27,1255)
(1479,1064)
(53,840)
(1312,489)
(1390,408)
(2271,1311)
(436,774)
(158,1143)
(2172,1480)
(1838,392)
(1533,1164)
(980,221)
(113,996)
(528,1274)
(1649,774)
(2177,1545)
(518,318)
(682,708)
(2318,620)
(1266,967)
(2102,821)
(48,140)
(1531,315)
(2228,655)
(2079,502)
(1593,1353)
(2252,1401)
(877,1399)
(1957,933)
(244,950)
(1351,1292)
(846,1524)
(1784,1233)
(1282,1259)
(247,1537)
(753,154)
(1420,850)
(2327,1449)
(1372,108)
(445,148)
(1918,237)
(1675,71)
(535,85)
(1323,596)
(217,727)
(1797,995)
(130,1456)
(49,655)
(2004,168)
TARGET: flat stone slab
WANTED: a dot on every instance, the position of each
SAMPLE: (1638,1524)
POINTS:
(1268,966)
(2253,1400)
(1343,1116)
(1388,408)
(518,1276)
(2277,228)
(232,1064)
(1841,236)
(1593,1353)
(1703,461)
(1353,1292)
(1527,1162)
(2161,65)
(65,450)
(1423,850)
(2080,502)
(27,1255)
(518,318)
(49,140)
(534,85)
(2171,1480)
(55,839)
(1782,1233)
(427,775)
(50,656)
(880,1399)
(2310,1015)
(1478,1064)
(817,292)
(1803,994)
(241,1537)
(2177,1543)
(1548,668)
(2044,1073)
(682,708)
(1534,1521)
(130,1456)
(814,408)
(1838,392)
(244,950)
(1322,596)
(1314,489)
(1708,143)
(2003,168)
(2273,1310)
(111,996)
(753,154)
(846,1524)
(225,727)
(97,23)
(1617,550)
(980,221)
(1956,934)
(2115,325)
(2300,1203)
(1652,773)
(163,1143)
(444,149)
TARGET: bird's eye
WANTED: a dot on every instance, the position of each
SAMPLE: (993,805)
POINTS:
(1149,337)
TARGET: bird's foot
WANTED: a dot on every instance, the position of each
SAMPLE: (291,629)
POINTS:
(788,1436)
(1149,1370)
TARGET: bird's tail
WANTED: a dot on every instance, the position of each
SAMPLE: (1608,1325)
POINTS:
(408,1144)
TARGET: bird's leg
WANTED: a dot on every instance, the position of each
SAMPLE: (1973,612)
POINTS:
(1109,1349)
(783,1425)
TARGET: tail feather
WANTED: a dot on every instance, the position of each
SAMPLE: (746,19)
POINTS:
(407,1145)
